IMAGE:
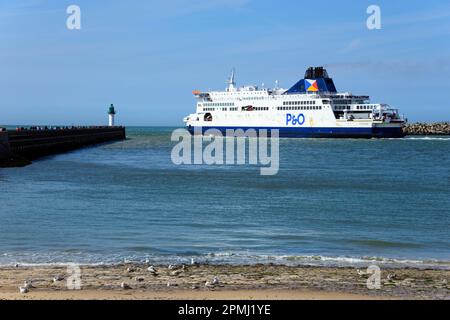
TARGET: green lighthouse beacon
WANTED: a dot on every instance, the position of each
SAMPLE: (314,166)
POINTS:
(111,113)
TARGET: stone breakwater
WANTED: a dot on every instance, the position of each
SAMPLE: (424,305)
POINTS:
(418,128)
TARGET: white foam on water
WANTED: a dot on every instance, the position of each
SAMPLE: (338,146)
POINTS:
(242,258)
(427,138)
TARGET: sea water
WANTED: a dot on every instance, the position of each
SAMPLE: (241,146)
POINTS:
(333,202)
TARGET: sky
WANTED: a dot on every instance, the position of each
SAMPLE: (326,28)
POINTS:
(146,57)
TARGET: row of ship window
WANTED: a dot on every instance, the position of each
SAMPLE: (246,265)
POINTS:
(342,101)
(296,103)
(300,108)
(248,108)
(220,109)
(218,104)
(265,108)
(294,108)
(357,107)
(253,98)
(364,107)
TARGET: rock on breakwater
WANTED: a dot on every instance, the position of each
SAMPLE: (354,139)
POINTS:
(419,128)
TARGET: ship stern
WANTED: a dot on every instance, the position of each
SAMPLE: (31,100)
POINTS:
(393,130)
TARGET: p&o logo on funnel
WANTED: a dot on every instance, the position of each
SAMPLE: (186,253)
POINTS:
(311,85)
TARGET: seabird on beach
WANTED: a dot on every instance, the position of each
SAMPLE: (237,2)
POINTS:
(125,286)
(23,289)
(28,284)
(391,276)
(176,273)
(152,270)
(213,283)
(176,267)
(58,278)
(360,273)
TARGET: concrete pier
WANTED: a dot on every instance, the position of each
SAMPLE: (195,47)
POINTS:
(6,157)
(20,147)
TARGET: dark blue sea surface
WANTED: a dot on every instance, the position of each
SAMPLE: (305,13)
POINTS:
(333,202)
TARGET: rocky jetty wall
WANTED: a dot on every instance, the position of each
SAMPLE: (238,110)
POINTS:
(418,128)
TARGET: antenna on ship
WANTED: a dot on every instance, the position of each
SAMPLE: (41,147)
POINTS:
(231,83)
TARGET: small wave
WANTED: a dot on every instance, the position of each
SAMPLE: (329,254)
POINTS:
(384,244)
(427,138)
(331,261)
(235,258)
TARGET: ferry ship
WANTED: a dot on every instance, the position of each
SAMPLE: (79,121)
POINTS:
(311,108)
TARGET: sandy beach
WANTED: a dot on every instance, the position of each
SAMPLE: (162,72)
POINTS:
(258,282)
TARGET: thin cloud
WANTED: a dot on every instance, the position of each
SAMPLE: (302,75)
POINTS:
(398,67)
(13,9)
(413,18)
(352,46)
(177,8)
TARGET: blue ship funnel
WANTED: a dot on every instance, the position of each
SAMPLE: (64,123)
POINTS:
(316,80)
